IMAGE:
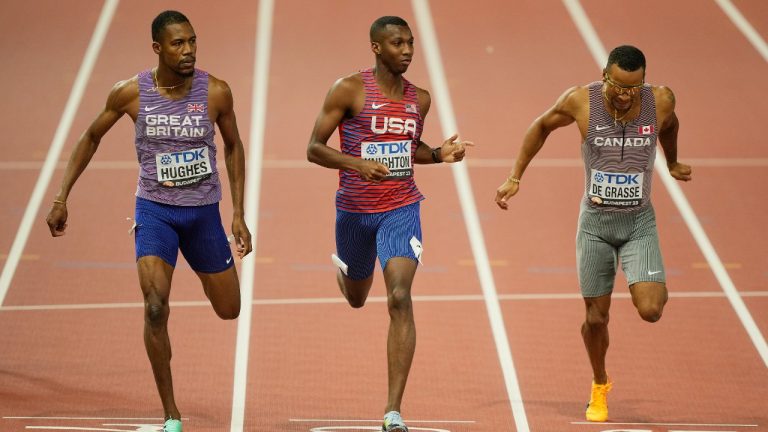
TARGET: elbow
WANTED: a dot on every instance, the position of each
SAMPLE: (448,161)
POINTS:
(312,154)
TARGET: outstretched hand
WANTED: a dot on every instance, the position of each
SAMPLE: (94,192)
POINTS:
(453,149)
(505,192)
(57,219)
(680,171)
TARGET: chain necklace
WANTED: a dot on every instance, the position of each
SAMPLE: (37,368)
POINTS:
(157,85)
(616,118)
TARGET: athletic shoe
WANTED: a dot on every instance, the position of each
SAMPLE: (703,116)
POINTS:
(393,423)
(172,425)
(597,408)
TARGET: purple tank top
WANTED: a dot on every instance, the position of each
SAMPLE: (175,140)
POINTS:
(618,159)
(174,145)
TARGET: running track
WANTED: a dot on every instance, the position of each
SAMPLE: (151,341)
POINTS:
(497,303)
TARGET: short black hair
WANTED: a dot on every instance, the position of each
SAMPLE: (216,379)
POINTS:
(166,18)
(627,57)
(381,23)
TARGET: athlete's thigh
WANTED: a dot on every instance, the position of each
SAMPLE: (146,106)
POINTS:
(595,260)
(202,239)
(399,235)
(154,233)
(356,242)
(641,255)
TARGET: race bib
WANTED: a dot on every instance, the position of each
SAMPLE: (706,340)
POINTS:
(183,168)
(616,189)
(395,155)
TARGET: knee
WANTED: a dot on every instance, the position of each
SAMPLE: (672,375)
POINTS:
(228,313)
(356,302)
(399,301)
(650,313)
(156,312)
(596,319)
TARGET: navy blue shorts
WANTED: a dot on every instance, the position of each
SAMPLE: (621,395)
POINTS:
(360,237)
(162,230)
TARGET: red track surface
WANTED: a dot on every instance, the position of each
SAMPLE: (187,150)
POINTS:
(505,63)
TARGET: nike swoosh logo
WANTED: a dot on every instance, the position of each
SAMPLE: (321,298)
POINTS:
(651,273)
(599,128)
(148,109)
(229,260)
(377,106)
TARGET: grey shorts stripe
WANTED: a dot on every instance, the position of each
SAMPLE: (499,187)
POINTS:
(603,238)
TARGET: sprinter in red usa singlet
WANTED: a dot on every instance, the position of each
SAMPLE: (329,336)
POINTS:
(174,107)
(380,117)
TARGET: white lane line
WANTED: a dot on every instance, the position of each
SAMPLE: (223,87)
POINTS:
(62,132)
(466,198)
(678,197)
(373,299)
(669,424)
(252,198)
(745,27)
(472,163)
(301,420)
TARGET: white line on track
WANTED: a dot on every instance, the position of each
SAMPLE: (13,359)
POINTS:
(377,421)
(472,163)
(466,198)
(670,424)
(373,299)
(745,27)
(252,197)
(678,197)
(62,132)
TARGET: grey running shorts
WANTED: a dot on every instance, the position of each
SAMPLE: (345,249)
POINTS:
(604,237)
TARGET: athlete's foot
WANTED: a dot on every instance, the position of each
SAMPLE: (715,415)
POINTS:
(393,423)
(172,425)
(597,408)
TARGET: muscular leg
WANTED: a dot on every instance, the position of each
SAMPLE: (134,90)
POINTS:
(155,280)
(223,291)
(649,298)
(401,341)
(595,334)
(355,291)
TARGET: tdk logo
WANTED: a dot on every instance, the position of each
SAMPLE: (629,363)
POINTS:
(188,156)
(389,148)
(616,179)
(393,125)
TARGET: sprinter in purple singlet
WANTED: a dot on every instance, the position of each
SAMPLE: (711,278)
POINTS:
(174,107)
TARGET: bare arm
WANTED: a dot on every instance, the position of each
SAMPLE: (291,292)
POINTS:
(344,99)
(234,158)
(122,98)
(450,151)
(669,126)
(564,112)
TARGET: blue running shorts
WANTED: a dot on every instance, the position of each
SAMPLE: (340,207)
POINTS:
(162,230)
(360,237)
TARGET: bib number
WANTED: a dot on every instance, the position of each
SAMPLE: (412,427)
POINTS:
(183,168)
(395,155)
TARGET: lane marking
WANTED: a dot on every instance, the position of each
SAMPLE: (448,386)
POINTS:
(678,197)
(472,163)
(469,209)
(372,299)
(252,198)
(745,27)
(62,131)
(302,420)
(669,424)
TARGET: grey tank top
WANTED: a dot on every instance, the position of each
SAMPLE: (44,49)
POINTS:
(618,159)
(175,147)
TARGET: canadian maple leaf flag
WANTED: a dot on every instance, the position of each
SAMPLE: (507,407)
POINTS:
(645,130)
